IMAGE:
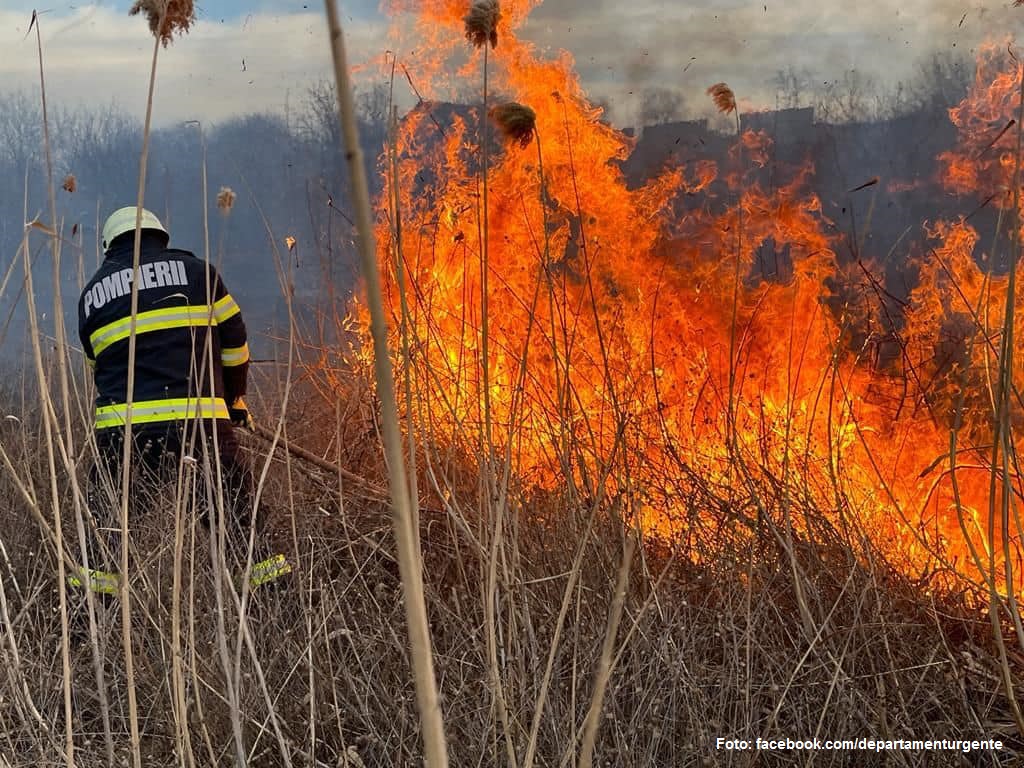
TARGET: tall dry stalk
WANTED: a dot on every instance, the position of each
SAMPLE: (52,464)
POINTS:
(725,101)
(605,665)
(124,586)
(1001,477)
(409,560)
(213,476)
(165,18)
(482,32)
(406,328)
(57,530)
(54,428)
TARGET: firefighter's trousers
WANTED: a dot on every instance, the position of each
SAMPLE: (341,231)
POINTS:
(157,456)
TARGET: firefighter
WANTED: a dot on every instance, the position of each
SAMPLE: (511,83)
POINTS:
(180,399)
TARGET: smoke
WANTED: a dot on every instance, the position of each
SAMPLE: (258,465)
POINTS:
(659,104)
(622,50)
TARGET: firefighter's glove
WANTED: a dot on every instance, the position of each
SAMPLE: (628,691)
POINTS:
(240,416)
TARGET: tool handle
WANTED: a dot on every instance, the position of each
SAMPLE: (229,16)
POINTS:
(301,453)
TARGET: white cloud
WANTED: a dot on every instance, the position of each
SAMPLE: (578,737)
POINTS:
(93,54)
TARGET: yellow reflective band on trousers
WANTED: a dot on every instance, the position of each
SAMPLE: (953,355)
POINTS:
(102,582)
(154,320)
(232,356)
(225,308)
(268,570)
(149,411)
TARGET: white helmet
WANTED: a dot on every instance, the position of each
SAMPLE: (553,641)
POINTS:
(123,220)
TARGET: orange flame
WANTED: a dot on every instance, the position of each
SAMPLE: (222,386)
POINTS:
(612,309)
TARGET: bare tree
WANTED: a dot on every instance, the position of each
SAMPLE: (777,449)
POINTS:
(940,81)
(792,87)
(852,97)
(20,133)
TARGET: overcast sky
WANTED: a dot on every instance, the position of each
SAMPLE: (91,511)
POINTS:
(95,53)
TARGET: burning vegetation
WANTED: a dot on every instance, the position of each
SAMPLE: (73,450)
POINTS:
(822,473)
(637,343)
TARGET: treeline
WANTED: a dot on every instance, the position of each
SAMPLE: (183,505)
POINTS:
(289,176)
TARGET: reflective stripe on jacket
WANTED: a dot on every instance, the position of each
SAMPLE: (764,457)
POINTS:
(185,313)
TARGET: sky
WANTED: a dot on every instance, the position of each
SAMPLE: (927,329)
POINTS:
(261,55)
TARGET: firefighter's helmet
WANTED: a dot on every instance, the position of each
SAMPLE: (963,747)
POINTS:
(123,220)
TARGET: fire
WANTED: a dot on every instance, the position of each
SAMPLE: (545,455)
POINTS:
(700,325)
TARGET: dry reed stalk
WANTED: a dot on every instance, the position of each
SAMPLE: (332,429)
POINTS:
(482,23)
(311,668)
(170,15)
(405,326)
(588,277)
(410,562)
(1003,446)
(517,122)
(605,665)
(17,680)
(194,665)
(51,428)
(724,98)
(563,611)
(958,417)
(277,437)
(226,200)
(183,737)
(214,486)
(66,440)
(166,17)
(216,500)
(481,28)
(725,101)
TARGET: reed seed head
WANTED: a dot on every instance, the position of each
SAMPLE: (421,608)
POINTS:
(226,200)
(178,16)
(724,98)
(70,183)
(482,23)
(516,121)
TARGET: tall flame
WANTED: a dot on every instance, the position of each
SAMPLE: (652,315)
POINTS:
(701,319)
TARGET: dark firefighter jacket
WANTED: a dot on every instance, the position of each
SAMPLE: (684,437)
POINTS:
(181,303)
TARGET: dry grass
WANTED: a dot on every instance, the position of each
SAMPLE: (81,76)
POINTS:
(561,636)
(703,650)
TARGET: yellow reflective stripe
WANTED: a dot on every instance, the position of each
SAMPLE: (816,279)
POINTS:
(174,409)
(154,320)
(268,570)
(225,308)
(231,356)
(102,582)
